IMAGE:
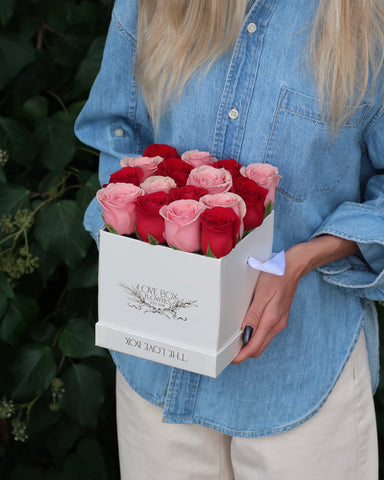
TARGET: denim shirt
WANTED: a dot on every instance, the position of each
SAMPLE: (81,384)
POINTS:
(258,103)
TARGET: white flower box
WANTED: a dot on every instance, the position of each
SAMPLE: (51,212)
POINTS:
(180,309)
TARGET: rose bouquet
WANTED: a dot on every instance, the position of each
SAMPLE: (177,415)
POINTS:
(192,202)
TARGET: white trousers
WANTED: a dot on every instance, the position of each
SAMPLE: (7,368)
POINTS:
(338,443)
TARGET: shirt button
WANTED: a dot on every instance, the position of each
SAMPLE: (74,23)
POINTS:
(233,113)
(119,132)
(251,28)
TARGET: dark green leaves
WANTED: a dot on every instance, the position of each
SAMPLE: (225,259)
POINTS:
(78,339)
(59,230)
(33,370)
(84,394)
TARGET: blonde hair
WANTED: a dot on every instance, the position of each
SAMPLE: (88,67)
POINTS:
(176,37)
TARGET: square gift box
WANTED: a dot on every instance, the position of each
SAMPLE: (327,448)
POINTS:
(177,308)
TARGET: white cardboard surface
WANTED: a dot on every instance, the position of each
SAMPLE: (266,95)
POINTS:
(177,308)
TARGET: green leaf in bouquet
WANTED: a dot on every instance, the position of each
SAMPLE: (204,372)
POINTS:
(152,240)
(173,247)
(111,229)
(13,197)
(84,394)
(17,141)
(59,230)
(57,143)
(77,340)
(33,369)
(7,9)
(209,253)
(16,52)
(268,209)
(21,312)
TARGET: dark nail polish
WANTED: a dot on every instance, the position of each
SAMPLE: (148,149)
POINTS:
(248,330)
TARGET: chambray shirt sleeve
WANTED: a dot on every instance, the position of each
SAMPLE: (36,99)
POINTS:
(114,119)
(363,223)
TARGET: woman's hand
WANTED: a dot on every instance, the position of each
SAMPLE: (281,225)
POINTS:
(269,310)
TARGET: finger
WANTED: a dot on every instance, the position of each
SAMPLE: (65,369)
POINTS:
(254,344)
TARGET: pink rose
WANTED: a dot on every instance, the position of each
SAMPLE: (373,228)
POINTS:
(182,224)
(215,180)
(227,200)
(157,183)
(118,201)
(147,164)
(265,176)
(197,158)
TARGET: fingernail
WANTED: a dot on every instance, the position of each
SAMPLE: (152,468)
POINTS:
(248,330)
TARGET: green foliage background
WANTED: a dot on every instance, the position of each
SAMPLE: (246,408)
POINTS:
(56,388)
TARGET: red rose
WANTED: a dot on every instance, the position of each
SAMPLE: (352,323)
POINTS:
(254,197)
(229,164)
(176,169)
(149,222)
(157,149)
(132,175)
(220,228)
(188,192)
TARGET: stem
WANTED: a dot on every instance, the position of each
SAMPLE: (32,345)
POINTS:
(56,97)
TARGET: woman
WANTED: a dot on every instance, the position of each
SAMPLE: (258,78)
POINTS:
(296,84)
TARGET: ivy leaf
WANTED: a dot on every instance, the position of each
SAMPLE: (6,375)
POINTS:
(18,141)
(15,53)
(84,394)
(77,340)
(13,197)
(57,141)
(7,9)
(33,369)
(85,274)
(59,230)
(21,312)
(89,67)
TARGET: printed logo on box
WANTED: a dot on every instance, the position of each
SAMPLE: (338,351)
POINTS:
(150,299)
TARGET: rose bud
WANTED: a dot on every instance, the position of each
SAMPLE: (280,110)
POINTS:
(157,183)
(229,164)
(147,164)
(188,192)
(132,175)
(118,201)
(182,224)
(254,198)
(227,200)
(219,230)
(149,222)
(197,158)
(264,175)
(161,150)
(215,180)
(176,169)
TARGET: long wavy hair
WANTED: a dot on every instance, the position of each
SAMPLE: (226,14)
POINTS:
(176,37)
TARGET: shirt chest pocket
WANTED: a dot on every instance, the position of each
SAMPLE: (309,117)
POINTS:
(301,146)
